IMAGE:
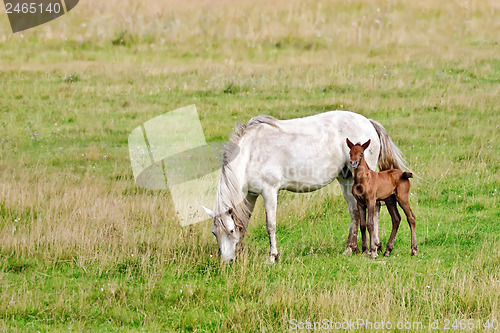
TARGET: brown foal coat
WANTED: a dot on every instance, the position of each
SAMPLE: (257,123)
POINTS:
(390,186)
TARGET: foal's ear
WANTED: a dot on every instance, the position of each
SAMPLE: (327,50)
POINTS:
(349,143)
(366,144)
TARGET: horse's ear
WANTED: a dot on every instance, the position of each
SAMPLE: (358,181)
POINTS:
(208,211)
(349,143)
(366,144)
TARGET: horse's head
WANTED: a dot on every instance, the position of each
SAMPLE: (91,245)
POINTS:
(356,152)
(226,232)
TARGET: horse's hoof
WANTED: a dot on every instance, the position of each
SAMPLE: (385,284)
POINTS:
(350,250)
(374,254)
(347,252)
(387,253)
(413,252)
(272,259)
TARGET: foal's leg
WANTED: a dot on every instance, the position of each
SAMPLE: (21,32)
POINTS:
(270,196)
(362,226)
(373,230)
(391,205)
(376,221)
(352,239)
(405,204)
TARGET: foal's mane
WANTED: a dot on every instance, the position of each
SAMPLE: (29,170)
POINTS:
(229,193)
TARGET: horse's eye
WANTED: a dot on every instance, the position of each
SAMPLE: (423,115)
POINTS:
(232,231)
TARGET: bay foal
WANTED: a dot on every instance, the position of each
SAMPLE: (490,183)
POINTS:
(369,186)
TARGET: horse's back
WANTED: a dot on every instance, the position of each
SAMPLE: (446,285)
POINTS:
(330,129)
(305,152)
(337,121)
(312,136)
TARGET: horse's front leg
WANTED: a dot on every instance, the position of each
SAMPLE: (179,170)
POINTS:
(250,202)
(270,197)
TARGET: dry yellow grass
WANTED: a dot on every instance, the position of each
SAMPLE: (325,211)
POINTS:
(81,247)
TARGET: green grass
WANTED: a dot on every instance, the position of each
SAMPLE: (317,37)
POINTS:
(82,248)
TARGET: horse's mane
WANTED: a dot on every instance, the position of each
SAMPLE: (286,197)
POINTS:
(230,197)
(240,130)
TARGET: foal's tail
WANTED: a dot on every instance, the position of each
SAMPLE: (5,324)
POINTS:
(390,156)
(406,175)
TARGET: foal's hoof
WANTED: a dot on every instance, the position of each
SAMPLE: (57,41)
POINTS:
(414,252)
(387,253)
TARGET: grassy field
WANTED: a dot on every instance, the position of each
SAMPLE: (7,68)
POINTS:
(82,248)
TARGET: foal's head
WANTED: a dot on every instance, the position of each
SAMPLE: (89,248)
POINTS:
(356,153)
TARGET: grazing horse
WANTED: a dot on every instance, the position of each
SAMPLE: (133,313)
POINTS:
(369,186)
(300,155)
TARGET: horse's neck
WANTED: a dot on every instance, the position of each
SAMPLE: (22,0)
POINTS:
(363,172)
(238,167)
(235,170)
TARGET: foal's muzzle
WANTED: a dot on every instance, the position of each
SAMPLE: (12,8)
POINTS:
(354,164)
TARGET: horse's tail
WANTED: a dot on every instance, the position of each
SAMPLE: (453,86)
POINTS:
(390,156)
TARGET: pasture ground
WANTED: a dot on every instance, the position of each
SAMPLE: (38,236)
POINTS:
(82,248)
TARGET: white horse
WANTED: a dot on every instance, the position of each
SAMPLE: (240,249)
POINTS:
(300,155)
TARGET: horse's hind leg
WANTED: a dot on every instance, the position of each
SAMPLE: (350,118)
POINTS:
(396,220)
(270,197)
(405,204)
